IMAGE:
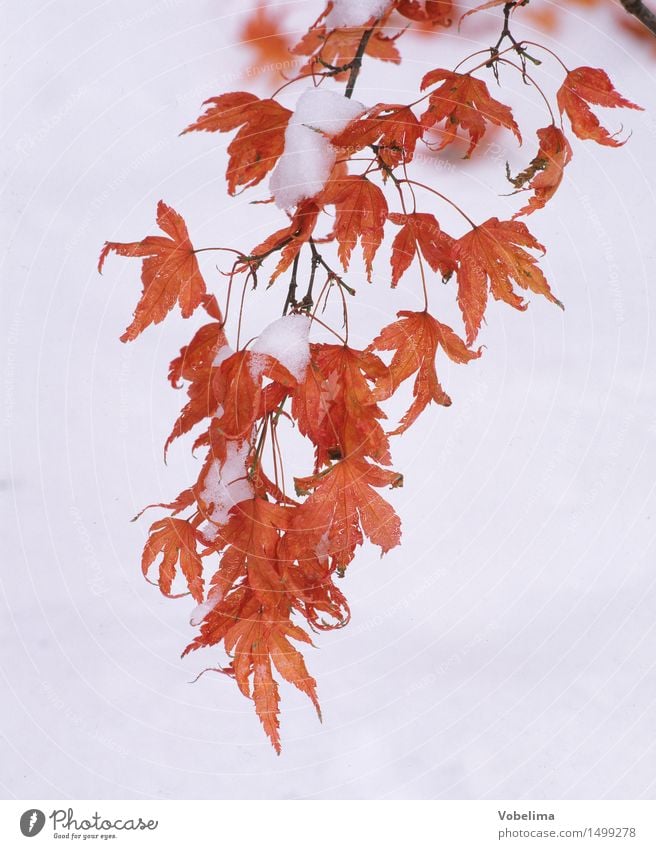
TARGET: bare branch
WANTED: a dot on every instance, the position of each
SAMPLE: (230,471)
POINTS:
(638,9)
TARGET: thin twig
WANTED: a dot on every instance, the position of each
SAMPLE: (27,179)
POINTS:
(291,292)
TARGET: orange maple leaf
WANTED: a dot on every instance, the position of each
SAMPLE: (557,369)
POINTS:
(494,252)
(429,11)
(195,360)
(170,272)
(343,505)
(254,637)
(336,404)
(175,540)
(392,127)
(463,101)
(288,240)
(259,143)
(337,48)
(237,387)
(420,231)
(590,85)
(360,212)
(545,171)
(262,33)
(415,339)
(252,617)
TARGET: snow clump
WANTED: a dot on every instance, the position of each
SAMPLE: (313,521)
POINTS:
(308,157)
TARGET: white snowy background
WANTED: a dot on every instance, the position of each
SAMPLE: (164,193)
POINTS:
(506,649)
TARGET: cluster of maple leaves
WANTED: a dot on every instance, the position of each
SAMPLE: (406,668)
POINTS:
(279,555)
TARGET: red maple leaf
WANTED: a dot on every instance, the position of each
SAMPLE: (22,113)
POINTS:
(393,128)
(259,143)
(420,231)
(336,405)
(170,272)
(360,213)
(590,85)
(415,339)
(463,101)
(175,540)
(288,240)
(494,252)
(337,48)
(545,172)
(343,506)
(263,33)
(430,11)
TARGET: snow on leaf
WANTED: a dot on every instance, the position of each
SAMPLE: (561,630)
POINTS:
(355,13)
(170,272)
(309,157)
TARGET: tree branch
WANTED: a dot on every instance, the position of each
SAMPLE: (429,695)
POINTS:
(357,61)
(638,9)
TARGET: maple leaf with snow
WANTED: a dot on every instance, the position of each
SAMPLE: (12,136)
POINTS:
(581,87)
(495,252)
(463,101)
(170,272)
